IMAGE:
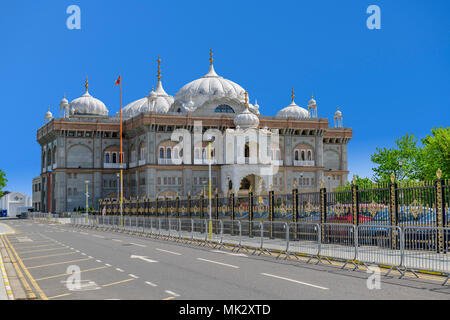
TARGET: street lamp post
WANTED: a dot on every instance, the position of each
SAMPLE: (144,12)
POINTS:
(329,183)
(301,180)
(87,201)
(209,174)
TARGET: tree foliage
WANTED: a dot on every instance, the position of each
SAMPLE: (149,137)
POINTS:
(436,154)
(3,181)
(410,162)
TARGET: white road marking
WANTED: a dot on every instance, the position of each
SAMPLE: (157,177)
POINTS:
(98,236)
(230,253)
(139,245)
(133,276)
(151,284)
(98,260)
(118,269)
(295,281)
(172,293)
(84,233)
(117,240)
(107,264)
(83,254)
(175,253)
(223,264)
(142,258)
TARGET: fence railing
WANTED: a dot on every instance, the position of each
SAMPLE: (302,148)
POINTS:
(404,249)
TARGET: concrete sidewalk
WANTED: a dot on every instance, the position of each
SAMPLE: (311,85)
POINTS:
(5,287)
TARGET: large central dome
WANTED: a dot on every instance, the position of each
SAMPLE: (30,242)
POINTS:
(211,84)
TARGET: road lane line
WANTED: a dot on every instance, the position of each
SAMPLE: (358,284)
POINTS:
(54,264)
(27,273)
(43,250)
(172,293)
(98,260)
(117,240)
(151,284)
(171,252)
(107,264)
(139,245)
(61,295)
(31,247)
(118,269)
(97,236)
(230,253)
(114,283)
(169,298)
(68,274)
(223,264)
(47,256)
(295,281)
(133,276)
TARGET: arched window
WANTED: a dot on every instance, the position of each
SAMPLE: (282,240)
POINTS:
(114,157)
(142,151)
(169,153)
(309,155)
(296,155)
(223,108)
(247,151)
(303,155)
(107,157)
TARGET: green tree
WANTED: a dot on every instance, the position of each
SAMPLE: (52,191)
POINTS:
(405,161)
(436,154)
(3,181)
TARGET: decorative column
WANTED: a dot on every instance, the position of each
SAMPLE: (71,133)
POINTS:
(271,202)
(355,202)
(393,208)
(295,208)
(250,212)
(323,209)
(440,214)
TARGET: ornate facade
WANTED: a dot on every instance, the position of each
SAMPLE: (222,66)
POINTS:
(83,145)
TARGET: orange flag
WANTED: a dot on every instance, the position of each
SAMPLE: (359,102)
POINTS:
(117,81)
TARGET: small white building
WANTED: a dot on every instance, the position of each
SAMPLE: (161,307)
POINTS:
(13,201)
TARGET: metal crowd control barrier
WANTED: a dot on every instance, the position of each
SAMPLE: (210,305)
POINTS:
(232,233)
(305,239)
(410,248)
(276,237)
(252,235)
(339,242)
(425,248)
(380,245)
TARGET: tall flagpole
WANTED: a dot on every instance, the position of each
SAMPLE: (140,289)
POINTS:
(121,156)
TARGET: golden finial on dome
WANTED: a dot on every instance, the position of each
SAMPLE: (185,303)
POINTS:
(211,56)
(293,95)
(246,98)
(86,84)
(159,69)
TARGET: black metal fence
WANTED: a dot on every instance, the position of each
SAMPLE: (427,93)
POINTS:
(404,204)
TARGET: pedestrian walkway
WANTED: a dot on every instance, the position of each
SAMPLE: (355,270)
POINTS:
(5,288)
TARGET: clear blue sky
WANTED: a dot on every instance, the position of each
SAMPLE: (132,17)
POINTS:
(387,82)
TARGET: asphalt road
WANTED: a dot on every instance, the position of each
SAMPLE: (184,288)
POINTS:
(121,266)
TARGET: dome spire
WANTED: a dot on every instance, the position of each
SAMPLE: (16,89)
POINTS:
(159,69)
(246,99)
(86,84)
(211,72)
(293,96)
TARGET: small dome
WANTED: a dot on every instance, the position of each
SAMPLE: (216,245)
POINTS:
(48,115)
(312,101)
(64,101)
(88,105)
(294,112)
(338,114)
(246,119)
(157,101)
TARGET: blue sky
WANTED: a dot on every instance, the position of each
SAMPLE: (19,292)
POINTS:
(387,82)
